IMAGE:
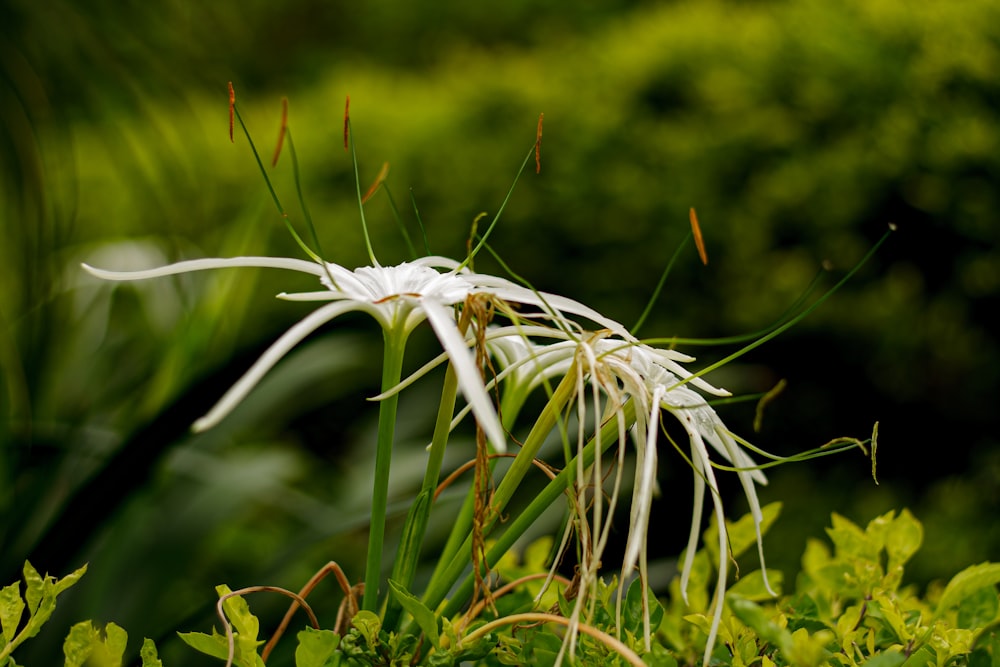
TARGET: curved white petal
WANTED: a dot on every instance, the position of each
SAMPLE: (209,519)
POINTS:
(271,356)
(469,380)
(700,455)
(642,492)
(211,263)
(324,295)
(547,302)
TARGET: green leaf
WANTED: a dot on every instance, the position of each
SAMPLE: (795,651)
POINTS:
(115,640)
(315,647)
(238,612)
(632,611)
(214,644)
(903,539)
(966,582)
(148,654)
(754,617)
(79,643)
(925,655)
(850,541)
(11,610)
(40,594)
(34,589)
(368,624)
(67,581)
(742,532)
(979,608)
(423,616)
(659,657)
(752,586)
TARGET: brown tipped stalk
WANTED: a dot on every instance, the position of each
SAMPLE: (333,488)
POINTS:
(347,120)
(538,144)
(699,242)
(232,112)
(379,180)
(282,131)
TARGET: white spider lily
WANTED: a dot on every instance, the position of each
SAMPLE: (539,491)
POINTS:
(667,388)
(398,297)
(655,381)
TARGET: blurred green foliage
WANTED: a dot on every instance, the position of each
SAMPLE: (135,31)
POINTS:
(797,129)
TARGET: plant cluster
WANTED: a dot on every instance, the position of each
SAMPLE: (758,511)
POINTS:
(849,607)
(606,393)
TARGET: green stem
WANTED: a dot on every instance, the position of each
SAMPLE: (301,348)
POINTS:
(392,367)
(416,521)
(453,559)
(510,407)
(524,460)
(435,594)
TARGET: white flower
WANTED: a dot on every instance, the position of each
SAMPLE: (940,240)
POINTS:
(622,368)
(668,387)
(398,297)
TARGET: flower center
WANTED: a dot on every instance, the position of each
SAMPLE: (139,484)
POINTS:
(378,284)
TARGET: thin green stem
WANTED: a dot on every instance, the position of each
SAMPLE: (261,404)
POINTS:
(392,367)
(361,202)
(522,463)
(496,218)
(416,520)
(436,592)
(274,195)
(455,557)
(654,297)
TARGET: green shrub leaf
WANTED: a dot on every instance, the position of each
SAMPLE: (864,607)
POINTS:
(424,617)
(11,610)
(79,643)
(148,653)
(214,644)
(979,608)
(905,535)
(754,617)
(967,582)
(315,647)
(238,611)
(886,659)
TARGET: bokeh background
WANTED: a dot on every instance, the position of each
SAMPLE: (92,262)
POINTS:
(798,130)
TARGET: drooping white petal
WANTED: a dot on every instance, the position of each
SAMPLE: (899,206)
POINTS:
(642,492)
(189,265)
(271,356)
(469,379)
(704,468)
(323,295)
(546,301)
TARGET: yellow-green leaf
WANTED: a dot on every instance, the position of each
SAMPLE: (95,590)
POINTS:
(11,610)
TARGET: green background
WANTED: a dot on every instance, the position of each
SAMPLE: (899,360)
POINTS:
(798,130)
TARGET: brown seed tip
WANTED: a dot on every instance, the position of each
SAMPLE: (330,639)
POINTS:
(699,242)
(538,144)
(232,111)
(347,120)
(281,132)
(379,180)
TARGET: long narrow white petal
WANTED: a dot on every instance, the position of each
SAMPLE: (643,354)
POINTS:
(271,356)
(642,493)
(512,292)
(469,380)
(700,454)
(322,295)
(212,263)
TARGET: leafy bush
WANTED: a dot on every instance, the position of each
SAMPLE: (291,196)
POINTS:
(849,607)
